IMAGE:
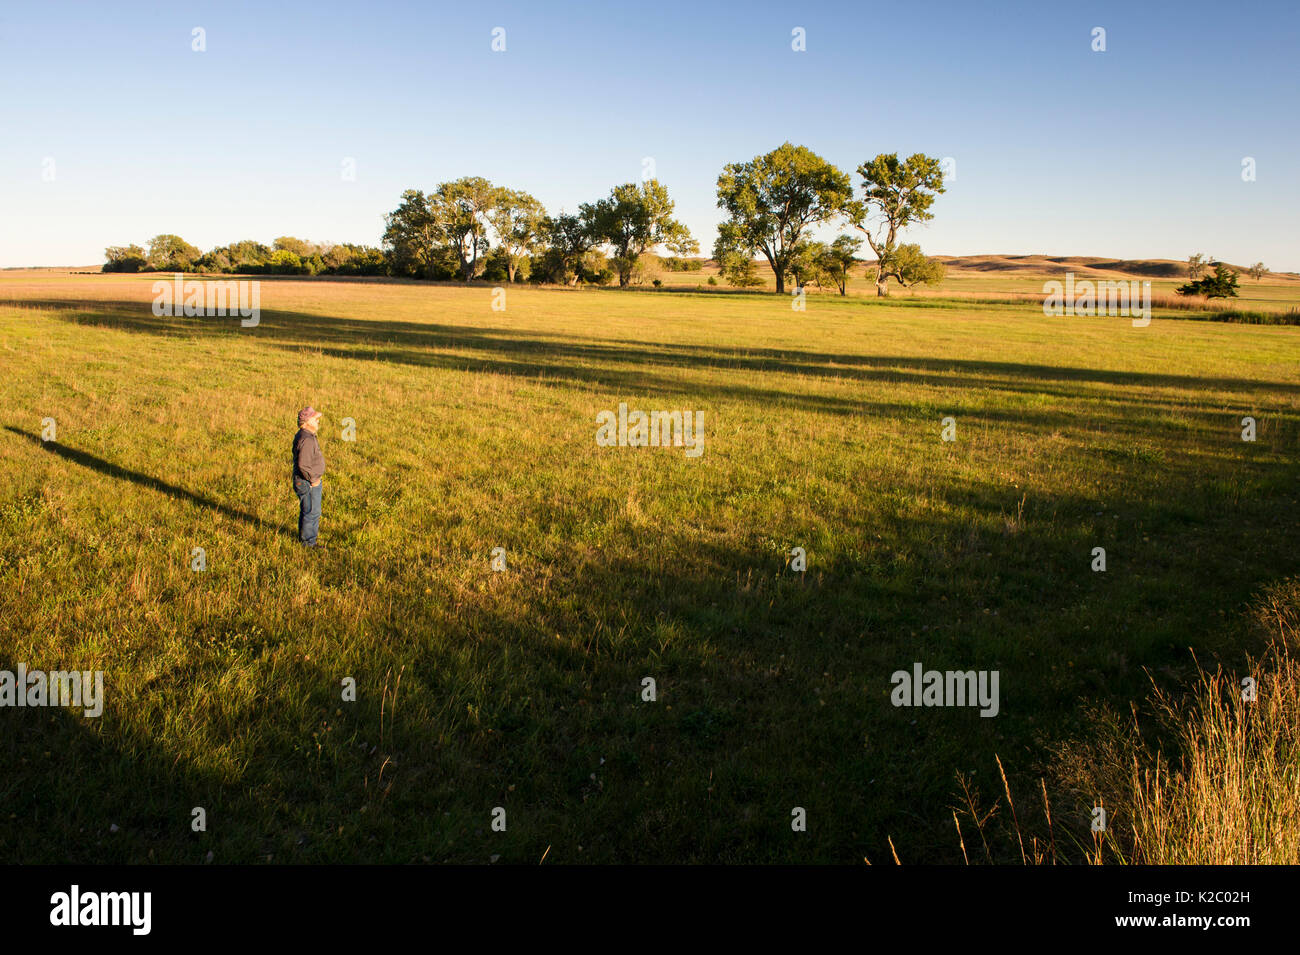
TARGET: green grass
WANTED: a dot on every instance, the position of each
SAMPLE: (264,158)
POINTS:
(475,429)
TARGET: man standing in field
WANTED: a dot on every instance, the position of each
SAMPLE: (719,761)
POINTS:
(308,470)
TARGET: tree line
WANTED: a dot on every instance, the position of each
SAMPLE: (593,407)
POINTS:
(287,256)
(471,229)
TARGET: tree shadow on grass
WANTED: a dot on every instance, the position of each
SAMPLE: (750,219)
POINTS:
(557,352)
(121,789)
(642,368)
(72,795)
(774,686)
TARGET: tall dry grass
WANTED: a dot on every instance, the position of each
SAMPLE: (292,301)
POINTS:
(1232,792)
(1210,776)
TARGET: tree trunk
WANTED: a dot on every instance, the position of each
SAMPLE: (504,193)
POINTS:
(779,273)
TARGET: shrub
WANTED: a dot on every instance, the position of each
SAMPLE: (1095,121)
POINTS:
(1222,284)
(284,262)
(742,272)
(496,268)
(129,258)
(645,269)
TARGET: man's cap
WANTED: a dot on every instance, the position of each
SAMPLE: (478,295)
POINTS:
(306,414)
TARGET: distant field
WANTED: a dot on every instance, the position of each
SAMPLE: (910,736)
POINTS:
(475,429)
(989,276)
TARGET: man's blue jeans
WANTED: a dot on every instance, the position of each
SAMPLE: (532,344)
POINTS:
(308,509)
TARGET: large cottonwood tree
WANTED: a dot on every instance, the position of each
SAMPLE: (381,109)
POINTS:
(634,219)
(412,235)
(517,219)
(772,199)
(462,208)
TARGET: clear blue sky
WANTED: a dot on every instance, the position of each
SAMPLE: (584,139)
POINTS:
(1134,152)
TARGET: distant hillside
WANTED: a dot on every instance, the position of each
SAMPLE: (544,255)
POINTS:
(1083,265)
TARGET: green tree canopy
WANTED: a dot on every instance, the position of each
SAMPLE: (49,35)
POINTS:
(284,262)
(634,219)
(838,260)
(517,219)
(909,265)
(299,247)
(1222,284)
(772,199)
(461,209)
(412,235)
(171,253)
(124,258)
(896,194)
(567,238)
(247,254)
(737,267)
(806,264)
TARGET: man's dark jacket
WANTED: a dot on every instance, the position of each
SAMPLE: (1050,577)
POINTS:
(308,462)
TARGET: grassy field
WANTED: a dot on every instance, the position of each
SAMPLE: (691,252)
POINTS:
(1023,276)
(522,689)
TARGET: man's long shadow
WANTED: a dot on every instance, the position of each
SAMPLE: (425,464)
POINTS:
(144,480)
